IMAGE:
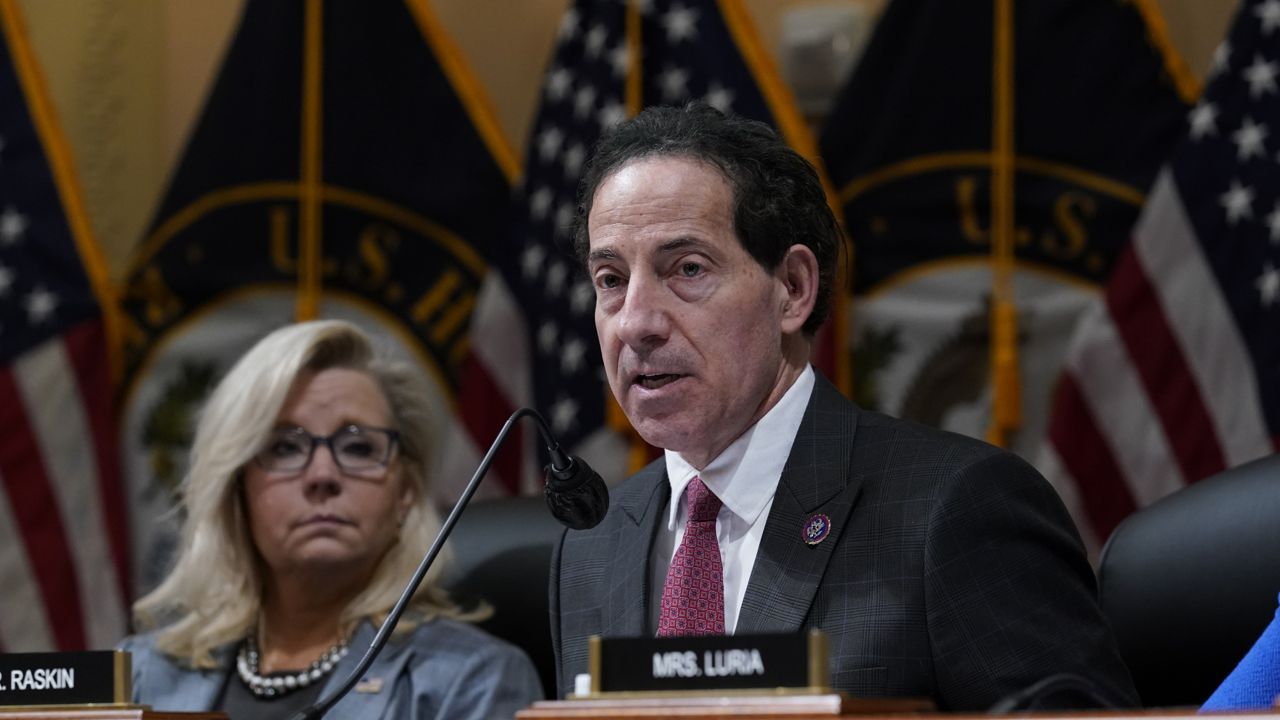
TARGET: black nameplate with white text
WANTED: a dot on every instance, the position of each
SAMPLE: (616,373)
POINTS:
(64,678)
(709,662)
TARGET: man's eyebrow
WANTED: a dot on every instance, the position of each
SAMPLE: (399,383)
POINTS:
(682,243)
(601,255)
(676,244)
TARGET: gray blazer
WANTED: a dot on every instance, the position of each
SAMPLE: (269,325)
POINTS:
(443,669)
(952,569)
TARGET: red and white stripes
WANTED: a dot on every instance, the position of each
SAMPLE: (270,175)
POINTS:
(1157,389)
(61,503)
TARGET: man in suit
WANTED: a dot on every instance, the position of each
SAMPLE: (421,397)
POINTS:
(936,564)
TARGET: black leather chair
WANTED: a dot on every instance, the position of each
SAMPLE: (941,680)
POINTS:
(1191,581)
(502,555)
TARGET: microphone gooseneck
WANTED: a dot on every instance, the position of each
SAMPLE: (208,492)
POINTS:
(576,495)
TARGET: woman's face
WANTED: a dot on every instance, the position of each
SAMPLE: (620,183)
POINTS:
(322,518)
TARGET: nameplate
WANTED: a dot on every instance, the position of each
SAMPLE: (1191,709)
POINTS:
(65,678)
(709,662)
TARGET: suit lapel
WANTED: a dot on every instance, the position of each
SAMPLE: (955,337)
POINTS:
(626,593)
(369,698)
(816,479)
(176,686)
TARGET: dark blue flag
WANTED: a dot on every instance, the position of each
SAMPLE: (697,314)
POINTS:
(344,166)
(991,157)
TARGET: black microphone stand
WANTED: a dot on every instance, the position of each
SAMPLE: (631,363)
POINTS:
(560,462)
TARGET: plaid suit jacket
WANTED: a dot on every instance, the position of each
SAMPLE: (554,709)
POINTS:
(952,569)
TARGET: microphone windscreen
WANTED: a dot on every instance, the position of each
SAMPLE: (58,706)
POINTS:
(578,498)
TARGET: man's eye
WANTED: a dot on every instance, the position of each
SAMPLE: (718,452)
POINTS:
(690,269)
(608,282)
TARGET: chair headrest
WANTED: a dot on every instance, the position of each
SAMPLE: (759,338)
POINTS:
(1189,582)
(502,555)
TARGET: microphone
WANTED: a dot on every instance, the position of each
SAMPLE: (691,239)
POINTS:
(576,496)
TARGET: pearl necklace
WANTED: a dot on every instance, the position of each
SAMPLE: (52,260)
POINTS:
(283,684)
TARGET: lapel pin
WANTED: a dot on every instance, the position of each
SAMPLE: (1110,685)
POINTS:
(369,686)
(816,529)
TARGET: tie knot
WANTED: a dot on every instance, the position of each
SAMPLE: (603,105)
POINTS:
(703,504)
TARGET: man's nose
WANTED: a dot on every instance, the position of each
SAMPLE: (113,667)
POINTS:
(644,319)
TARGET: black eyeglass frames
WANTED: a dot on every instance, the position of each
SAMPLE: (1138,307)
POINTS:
(357,450)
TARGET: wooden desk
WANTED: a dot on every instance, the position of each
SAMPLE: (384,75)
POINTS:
(129,712)
(793,707)
(823,707)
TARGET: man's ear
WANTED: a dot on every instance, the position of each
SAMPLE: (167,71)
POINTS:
(798,275)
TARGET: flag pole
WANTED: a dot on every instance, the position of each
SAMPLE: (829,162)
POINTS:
(1006,390)
(309,223)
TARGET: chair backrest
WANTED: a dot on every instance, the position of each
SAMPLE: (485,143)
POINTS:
(1191,581)
(502,555)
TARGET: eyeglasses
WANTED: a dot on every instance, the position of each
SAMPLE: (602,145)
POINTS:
(356,450)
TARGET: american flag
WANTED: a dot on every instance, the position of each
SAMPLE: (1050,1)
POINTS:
(613,58)
(63,538)
(1175,374)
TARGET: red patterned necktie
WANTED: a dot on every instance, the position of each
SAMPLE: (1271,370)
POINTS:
(693,598)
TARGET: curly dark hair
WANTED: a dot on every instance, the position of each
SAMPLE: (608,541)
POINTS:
(777,196)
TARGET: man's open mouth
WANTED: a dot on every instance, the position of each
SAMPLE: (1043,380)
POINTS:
(653,382)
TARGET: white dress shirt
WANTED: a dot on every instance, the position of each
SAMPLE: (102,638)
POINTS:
(745,477)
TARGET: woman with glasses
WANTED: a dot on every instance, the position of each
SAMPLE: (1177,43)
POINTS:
(306,512)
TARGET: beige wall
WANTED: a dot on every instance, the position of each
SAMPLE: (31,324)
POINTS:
(128,77)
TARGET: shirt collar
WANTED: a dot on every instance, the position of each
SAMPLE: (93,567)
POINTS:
(745,476)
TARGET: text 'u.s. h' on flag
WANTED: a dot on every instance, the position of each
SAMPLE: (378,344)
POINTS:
(345,165)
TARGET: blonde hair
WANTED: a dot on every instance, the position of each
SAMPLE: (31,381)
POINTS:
(213,594)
